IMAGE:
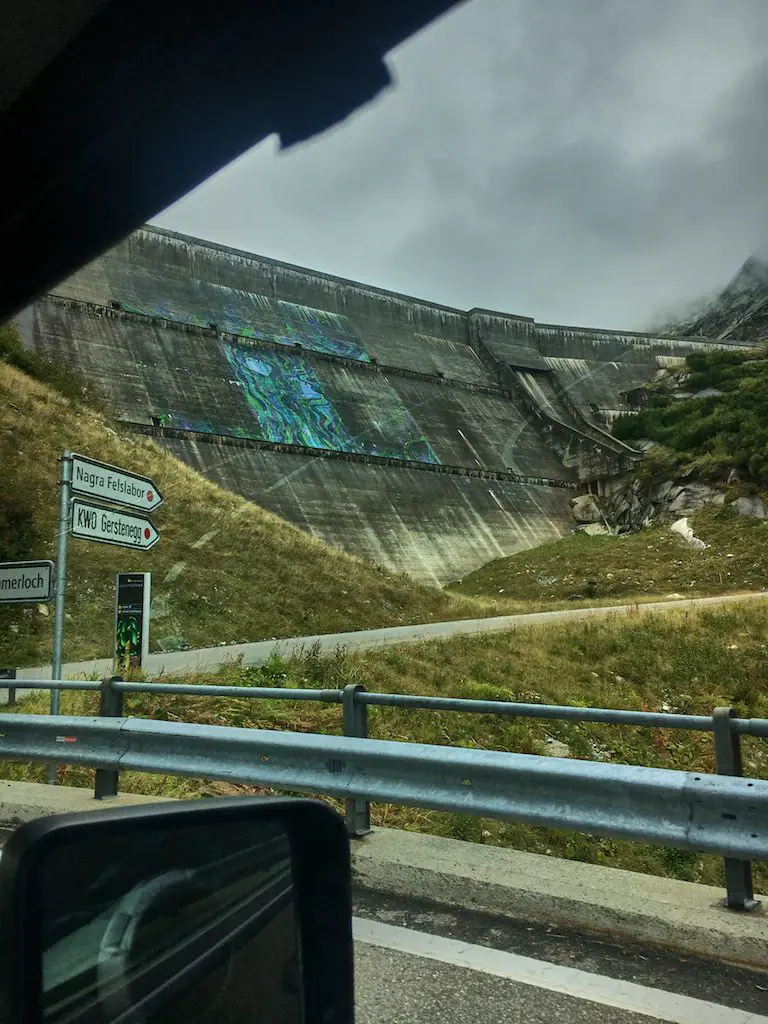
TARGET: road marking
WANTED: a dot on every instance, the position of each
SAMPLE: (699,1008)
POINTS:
(597,988)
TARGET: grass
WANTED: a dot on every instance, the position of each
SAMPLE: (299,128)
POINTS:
(224,571)
(653,562)
(687,662)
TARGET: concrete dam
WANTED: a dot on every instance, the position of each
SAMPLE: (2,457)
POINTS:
(425,438)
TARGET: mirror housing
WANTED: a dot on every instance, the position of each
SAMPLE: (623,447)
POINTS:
(206,910)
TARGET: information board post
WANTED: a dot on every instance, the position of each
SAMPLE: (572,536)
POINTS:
(132,602)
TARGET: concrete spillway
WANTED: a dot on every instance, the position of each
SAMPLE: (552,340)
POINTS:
(426,438)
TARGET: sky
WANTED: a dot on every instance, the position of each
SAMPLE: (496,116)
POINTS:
(589,162)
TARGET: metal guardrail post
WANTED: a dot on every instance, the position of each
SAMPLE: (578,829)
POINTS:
(110,706)
(9,674)
(357,812)
(738,873)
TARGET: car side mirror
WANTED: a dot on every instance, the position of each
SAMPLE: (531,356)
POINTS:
(226,910)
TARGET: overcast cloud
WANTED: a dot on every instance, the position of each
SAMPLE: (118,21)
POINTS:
(591,162)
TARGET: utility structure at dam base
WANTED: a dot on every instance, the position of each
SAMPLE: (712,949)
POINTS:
(424,438)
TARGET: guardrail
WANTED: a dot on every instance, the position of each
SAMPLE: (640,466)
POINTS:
(627,797)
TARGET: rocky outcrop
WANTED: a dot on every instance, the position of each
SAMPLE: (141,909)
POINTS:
(740,312)
(752,506)
(585,509)
(687,497)
(638,503)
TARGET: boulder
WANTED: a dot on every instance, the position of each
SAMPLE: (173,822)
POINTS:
(554,748)
(595,530)
(160,607)
(752,506)
(617,505)
(694,496)
(684,529)
(666,491)
(172,644)
(585,509)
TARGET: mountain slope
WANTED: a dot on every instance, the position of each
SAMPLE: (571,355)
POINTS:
(740,312)
(224,570)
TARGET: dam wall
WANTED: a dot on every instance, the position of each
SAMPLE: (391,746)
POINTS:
(436,526)
(426,438)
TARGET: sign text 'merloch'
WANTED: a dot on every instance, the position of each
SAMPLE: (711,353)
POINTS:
(22,581)
(25,581)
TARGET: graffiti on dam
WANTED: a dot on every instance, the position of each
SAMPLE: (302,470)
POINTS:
(319,331)
(289,403)
(287,400)
(246,314)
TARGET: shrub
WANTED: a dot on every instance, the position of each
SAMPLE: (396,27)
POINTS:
(714,432)
(64,379)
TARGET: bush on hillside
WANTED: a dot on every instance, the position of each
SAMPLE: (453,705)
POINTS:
(64,379)
(714,432)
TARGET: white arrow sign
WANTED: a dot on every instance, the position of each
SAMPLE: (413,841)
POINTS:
(108,526)
(25,582)
(100,480)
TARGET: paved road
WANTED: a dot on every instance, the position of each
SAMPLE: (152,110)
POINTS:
(212,658)
(417,964)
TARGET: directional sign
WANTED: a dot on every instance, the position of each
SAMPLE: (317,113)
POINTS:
(25,582)
(109,483)
(109,526)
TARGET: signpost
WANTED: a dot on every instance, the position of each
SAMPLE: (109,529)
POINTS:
(81,475)
(100,480)
(111,526)
(132,600)
(25,582)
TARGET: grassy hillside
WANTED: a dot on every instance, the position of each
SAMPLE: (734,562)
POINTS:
(224,570)
(652,562)
(686,662)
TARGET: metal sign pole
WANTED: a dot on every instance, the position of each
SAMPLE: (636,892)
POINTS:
(65,483)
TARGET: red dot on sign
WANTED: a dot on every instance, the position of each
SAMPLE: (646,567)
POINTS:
(150,495)
(146,533)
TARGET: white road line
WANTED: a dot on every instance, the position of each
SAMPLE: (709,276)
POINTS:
(623,995)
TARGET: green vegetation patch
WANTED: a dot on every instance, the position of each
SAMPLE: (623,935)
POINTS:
(712,433)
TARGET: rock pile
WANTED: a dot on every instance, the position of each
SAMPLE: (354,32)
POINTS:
(635,505)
